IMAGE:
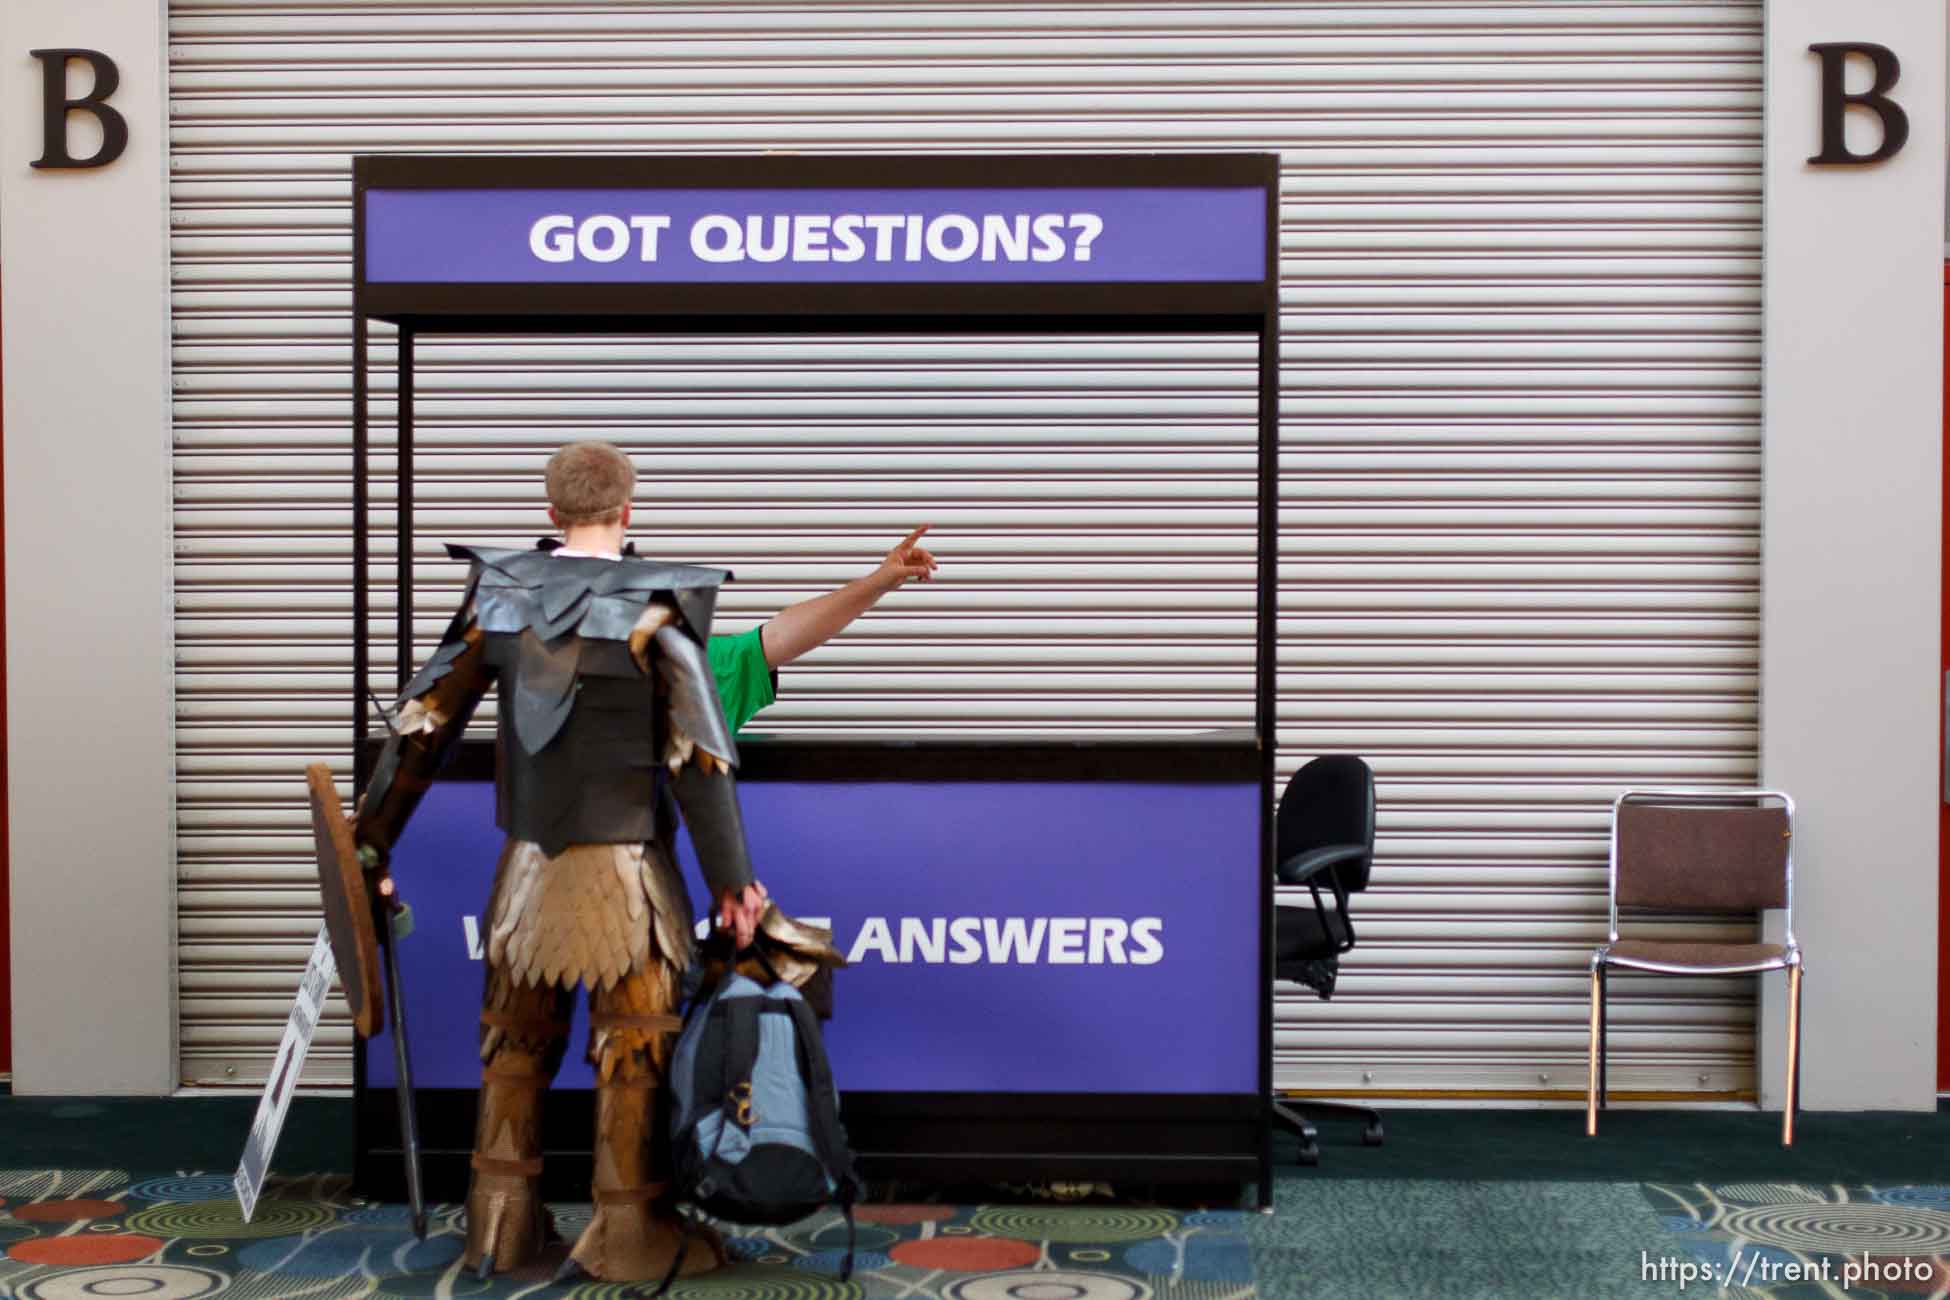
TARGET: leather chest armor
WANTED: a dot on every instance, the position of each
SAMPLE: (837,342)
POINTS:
(579,758)
(596,779)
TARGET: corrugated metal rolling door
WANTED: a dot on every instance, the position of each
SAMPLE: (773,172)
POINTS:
(1520,419)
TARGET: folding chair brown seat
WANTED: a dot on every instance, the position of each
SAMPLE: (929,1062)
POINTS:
(1700,851)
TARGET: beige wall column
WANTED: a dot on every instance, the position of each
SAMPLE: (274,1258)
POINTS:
(1852,550)
(88,564)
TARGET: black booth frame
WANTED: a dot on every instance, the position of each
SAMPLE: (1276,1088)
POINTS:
(1015,1127)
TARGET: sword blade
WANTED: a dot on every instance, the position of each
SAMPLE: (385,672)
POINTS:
(409,1126)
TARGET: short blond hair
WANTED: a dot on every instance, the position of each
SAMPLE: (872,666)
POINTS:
(590,483)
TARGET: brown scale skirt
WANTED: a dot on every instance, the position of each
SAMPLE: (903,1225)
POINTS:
(591,915)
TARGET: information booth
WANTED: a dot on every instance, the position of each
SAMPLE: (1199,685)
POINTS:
(1060,947)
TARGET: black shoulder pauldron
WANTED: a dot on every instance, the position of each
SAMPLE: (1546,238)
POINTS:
(597,599)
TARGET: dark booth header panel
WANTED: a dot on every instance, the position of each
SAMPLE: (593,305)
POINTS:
(494,242)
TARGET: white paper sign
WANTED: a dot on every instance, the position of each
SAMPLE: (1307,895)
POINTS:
(320,971)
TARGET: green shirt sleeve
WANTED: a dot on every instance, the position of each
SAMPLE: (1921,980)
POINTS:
(745,683)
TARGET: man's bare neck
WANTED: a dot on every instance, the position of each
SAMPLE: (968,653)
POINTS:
(594,539)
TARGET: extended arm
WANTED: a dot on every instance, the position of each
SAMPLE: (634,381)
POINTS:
(429,720)
(810,624)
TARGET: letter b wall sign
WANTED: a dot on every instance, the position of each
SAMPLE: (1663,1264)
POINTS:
(1836,100)
(57,104)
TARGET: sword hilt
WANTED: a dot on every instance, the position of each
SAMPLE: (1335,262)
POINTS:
(384,717)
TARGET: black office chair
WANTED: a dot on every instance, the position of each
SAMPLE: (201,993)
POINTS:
(1325,833)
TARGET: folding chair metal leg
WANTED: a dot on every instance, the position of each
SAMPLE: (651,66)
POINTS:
(1604,1037)
(1793,1056)
(1591,1084)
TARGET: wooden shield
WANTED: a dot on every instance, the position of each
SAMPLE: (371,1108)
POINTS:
(348,907)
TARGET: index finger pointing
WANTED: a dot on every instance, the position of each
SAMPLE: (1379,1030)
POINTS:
(914,536)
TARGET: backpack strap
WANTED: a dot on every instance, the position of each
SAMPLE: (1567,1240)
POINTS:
(757,954)
(823,1108)
(677,1260)
(740,1059)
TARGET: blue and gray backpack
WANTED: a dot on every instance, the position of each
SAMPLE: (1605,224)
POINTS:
(755,1119)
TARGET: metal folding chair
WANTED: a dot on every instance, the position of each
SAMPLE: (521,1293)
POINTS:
(1701,851)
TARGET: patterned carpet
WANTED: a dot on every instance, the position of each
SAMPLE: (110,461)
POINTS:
(69,1234)
(1787,1241)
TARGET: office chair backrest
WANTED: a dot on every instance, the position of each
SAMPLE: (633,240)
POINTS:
(1330,801)
(1701,859)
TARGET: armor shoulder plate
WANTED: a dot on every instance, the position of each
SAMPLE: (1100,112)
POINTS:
(601,600)
(694,703)
(453,644)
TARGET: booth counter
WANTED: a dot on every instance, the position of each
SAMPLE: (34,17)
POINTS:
(1061,949)
(1054,948)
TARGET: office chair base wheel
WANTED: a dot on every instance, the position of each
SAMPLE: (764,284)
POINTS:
(1297,1125)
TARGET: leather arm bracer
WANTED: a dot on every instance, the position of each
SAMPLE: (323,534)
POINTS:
(702,761)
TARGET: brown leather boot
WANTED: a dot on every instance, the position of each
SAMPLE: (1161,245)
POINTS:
(634,1235)
(524,1031)
(506,1222)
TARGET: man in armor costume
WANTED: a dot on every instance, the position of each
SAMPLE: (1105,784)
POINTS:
(607,710)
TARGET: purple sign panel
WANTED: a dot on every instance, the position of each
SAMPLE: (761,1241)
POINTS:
(1003,936)
(826,236)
